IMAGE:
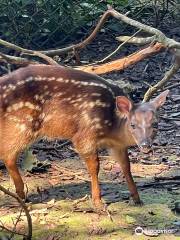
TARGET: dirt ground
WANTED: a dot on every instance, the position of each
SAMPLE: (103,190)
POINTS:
(61,207)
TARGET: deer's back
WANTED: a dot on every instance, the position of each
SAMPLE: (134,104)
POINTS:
(56,101)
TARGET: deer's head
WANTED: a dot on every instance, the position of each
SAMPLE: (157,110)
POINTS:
(141,118)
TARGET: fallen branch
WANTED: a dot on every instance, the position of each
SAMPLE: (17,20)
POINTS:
(168,75)
(136,40)
(16,60)
(24,207)
(27,51)
(124,62)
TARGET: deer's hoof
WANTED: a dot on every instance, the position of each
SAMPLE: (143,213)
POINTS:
(100,207)
(137,203)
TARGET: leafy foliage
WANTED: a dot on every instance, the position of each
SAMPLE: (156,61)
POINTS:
(46,24)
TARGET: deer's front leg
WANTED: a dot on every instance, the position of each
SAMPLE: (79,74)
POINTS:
(86,147)
(122,157)
(92,162)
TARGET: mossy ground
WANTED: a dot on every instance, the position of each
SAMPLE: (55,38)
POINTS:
(58,213)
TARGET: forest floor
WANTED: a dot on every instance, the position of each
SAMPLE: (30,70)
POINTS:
(60,205)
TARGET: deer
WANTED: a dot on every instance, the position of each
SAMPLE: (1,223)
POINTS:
(61,102)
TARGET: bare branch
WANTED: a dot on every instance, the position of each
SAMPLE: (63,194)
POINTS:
(124,62)
(27,51)
(168,75)
(15,224)
(136,40)
(160,37)
(23,205)
(83,44)
(16,60)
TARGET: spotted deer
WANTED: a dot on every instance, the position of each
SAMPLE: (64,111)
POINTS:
(61,102)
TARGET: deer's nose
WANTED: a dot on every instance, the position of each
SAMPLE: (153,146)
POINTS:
(145,146)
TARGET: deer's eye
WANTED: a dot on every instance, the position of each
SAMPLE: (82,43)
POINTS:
(133,126)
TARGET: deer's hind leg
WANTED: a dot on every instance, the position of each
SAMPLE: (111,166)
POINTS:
(14,138)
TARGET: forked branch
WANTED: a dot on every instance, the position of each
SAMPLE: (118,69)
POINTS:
(27,236)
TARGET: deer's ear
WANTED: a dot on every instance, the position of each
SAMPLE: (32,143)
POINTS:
(160,99)
(123,104)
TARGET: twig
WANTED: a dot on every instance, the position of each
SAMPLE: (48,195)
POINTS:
(23,205)
(15,224)
(156,183)
(172,86)
(43,56)
(118,48)
(76,174)
(11,231)
(83,199)
(168,75)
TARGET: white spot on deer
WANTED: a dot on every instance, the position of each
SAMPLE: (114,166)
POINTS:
(38,78)
(86,117)
(47,93)
(21,127)
(42,115)
(91,104)
(20,82)
(4,95)
(68,99)
(101,133)
(98,126)
(96,94)
(76,104)
(48,117)
(96,119)
(37,108)
(10,87)
(15,107)
(59,79)
(37,97)
(29,79)
(42,101)
(13,118)
(29,118)
(59,94)
(45,87)
(51,79)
